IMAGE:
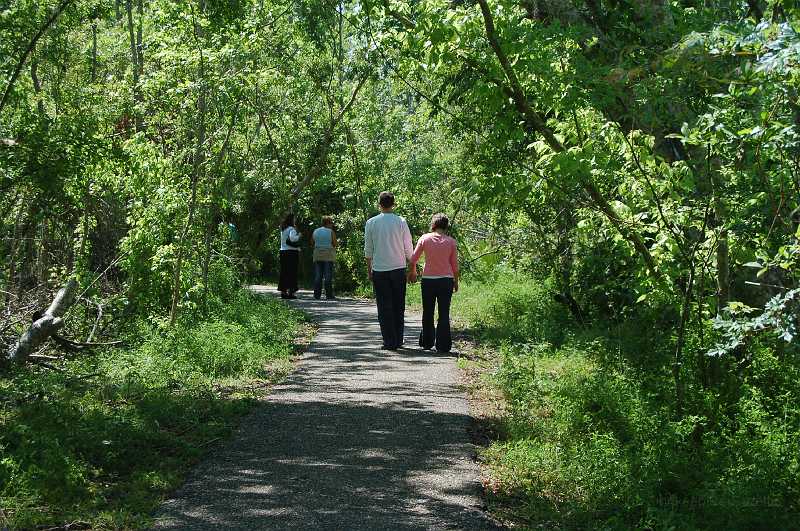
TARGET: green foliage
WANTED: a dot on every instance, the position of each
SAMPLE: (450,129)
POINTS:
(105,439)
(670,124)
(591,440)
(509,307)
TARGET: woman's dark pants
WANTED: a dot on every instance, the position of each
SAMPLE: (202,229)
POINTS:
(436,291)
(288,276)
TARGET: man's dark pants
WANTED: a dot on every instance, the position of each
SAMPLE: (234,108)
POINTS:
(436,291)
(390,296)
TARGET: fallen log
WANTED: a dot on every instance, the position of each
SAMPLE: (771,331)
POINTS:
(43,327)
(76,346)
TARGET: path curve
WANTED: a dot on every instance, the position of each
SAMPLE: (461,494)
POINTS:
(356,438)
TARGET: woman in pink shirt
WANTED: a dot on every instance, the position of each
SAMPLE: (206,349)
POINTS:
(439,282)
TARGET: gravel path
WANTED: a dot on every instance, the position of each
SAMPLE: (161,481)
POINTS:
(356,438)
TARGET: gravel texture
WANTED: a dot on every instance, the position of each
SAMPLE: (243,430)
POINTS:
(356,438)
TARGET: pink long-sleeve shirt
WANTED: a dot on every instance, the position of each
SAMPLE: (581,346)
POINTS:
(441,255)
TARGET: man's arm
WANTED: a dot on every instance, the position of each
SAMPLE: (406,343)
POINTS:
(412,266)
(368,249)
(408,247)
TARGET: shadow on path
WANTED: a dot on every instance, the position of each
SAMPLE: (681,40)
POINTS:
(357,438)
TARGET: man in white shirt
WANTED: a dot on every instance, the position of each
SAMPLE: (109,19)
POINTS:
(387,248)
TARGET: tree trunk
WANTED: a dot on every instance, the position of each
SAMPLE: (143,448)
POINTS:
(213,211)
(137,97)
(94,52)
(11,284)
(564,247)
(139,45)
(37,87)
(197,169)
(723,265)
(360,205)
(45,326)
(677,364)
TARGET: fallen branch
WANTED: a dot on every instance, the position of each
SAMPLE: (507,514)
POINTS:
(97,322)
(46,365)
(470,262)
(45,326)
(76,346)
(44,357)
(84,377)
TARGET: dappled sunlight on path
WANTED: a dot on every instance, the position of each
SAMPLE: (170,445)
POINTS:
(356,438)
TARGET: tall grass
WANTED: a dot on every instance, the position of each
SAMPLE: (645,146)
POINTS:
(102,441)
(591,439)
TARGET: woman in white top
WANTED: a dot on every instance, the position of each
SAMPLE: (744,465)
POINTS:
(290,257)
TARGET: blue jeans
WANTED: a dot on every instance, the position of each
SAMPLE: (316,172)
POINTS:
(323,271)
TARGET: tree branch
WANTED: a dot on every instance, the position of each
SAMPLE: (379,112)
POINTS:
(29,50)
(537,123)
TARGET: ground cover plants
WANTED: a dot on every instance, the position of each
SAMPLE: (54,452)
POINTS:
(99,441)
(586,439)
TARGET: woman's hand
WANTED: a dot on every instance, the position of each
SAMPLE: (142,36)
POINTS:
(455,286)
(412,275)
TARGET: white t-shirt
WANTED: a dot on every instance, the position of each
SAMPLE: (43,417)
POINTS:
(387,240)
(293,235)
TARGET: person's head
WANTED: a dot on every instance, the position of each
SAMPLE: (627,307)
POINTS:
(288,221)
(327,221)
(386,200)
(439,222)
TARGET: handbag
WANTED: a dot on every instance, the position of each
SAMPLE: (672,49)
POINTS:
(290,243)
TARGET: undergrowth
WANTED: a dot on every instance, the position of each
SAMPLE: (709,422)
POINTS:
(591,438)
(101,442)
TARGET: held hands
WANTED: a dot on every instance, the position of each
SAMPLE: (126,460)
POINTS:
(412,275)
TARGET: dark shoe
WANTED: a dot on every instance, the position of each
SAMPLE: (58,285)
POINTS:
(292,296)
(284,296)
(387,347)
(317,297)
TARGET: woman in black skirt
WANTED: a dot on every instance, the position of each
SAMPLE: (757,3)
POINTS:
(290,256)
